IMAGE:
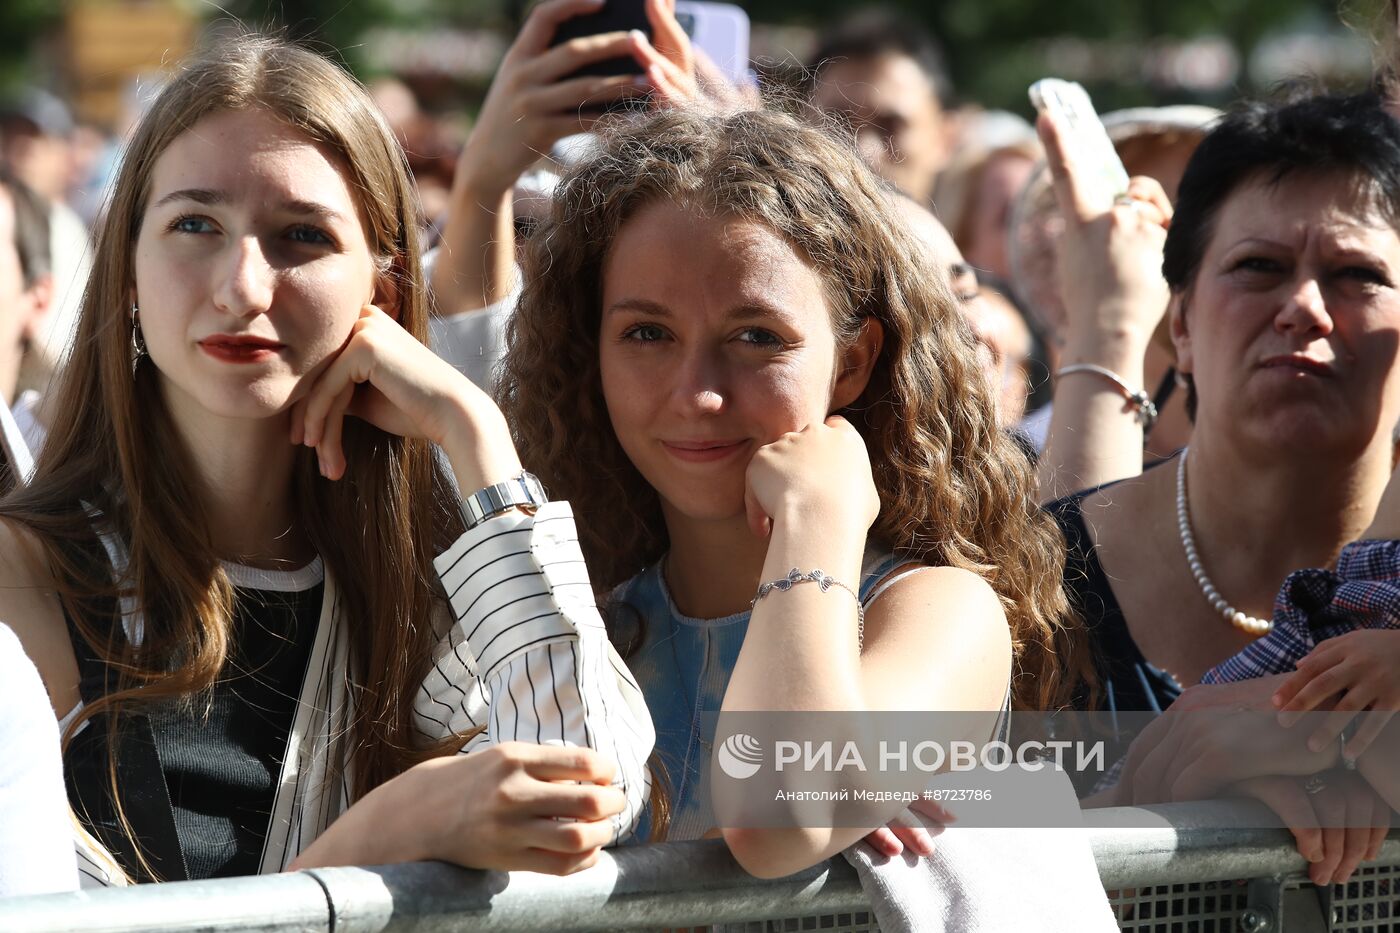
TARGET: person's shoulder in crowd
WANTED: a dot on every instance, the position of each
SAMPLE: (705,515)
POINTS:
(36,847)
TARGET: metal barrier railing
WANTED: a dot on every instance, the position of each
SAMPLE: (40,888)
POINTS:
(1198,867)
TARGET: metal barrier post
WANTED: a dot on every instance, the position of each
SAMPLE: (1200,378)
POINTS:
(1300,909)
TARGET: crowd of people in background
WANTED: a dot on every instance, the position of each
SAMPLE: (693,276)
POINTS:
(386,498)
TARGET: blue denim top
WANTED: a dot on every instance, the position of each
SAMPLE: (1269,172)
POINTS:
(683,667)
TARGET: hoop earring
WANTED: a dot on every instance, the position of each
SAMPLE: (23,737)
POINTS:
(138,342)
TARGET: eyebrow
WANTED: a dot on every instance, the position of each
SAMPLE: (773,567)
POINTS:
(1344,249)
(211,197)
(746,311)
(1258,241)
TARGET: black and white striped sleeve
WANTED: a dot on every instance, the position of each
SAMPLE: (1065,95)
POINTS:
(527,655)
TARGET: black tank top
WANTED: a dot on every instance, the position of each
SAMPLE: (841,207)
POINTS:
(198,775)
(1127,680)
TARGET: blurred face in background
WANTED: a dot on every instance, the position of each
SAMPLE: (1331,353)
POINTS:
(1004,339)
(899,124)
(22,304)
(41,161)
(938,244)
(1387,76)
(1005,334)
(998,186)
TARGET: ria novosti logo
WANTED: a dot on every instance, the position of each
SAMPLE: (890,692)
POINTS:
(740,756)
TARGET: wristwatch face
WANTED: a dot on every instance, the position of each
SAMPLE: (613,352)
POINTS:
(534,489)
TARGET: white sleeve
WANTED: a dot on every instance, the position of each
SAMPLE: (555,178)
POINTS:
(473,341)
(528,638)
(36,837)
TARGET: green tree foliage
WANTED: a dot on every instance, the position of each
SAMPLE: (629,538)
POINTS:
(337,26)
(995,47)
(22,24)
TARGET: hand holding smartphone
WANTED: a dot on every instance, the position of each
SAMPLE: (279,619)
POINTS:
(615,16)
(660,50)
(1110,251)
(721,31)
(1098,174)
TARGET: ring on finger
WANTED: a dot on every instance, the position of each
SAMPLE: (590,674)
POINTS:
(1128,201)
(1314,785)
(1348,762)
(1348,733)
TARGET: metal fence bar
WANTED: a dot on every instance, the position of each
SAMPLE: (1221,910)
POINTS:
(289,903)
(1200,841)
(675,884)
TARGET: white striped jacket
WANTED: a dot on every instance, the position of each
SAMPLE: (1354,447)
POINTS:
(522,652)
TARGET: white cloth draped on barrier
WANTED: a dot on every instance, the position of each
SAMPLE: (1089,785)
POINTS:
(988,880)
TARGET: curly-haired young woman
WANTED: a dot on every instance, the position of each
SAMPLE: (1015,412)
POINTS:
(734,362)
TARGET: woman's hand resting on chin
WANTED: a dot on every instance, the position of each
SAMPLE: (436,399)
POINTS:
(385,376)
(821,474)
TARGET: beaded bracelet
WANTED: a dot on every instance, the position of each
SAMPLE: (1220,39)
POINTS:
(1138,400)
(825,582)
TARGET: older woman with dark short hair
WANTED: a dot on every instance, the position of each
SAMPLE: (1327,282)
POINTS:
(1283,260)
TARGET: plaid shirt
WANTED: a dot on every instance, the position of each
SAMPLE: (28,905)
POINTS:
(1312,606)
(1315,605)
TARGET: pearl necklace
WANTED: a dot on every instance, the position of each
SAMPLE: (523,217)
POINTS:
(1245,623)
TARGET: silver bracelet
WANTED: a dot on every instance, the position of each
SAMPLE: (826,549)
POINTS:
(1141,403)
(823,580)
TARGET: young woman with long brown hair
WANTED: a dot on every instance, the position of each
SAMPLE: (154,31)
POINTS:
(224,567)
(733,362)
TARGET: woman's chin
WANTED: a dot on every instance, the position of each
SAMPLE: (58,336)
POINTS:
(1321,433)
(257,403)
(705,509)
(245,402)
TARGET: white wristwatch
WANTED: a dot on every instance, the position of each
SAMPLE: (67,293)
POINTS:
(523,490)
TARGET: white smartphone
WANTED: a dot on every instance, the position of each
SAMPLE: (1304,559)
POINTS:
(1097,167)
(721,31)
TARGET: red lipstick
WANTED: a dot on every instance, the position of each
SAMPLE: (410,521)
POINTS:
(240,348)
